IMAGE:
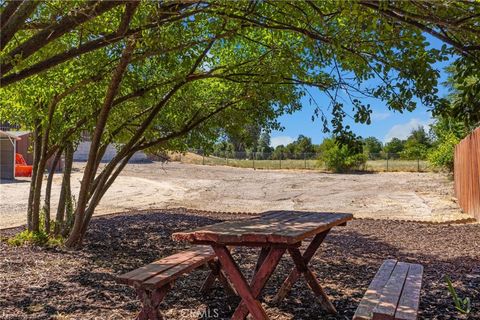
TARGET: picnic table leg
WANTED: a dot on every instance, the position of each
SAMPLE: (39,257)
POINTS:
(303,268)
(295,274)
(215,273)
(261,257)
(150,302)
(266,267)
(238,280)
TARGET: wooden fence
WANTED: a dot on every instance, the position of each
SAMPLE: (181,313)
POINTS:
(467,174)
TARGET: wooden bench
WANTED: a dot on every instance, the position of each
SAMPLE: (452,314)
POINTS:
(153,281)
(394,293)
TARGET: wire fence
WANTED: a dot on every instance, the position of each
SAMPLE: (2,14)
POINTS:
(376,162)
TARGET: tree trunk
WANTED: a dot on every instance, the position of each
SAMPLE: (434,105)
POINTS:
(65,199)
(37,195)
(36,158)
(100,191)
(75,237)
(48,190)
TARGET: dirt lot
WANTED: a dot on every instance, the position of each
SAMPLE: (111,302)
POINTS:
(39,283)
(395,195)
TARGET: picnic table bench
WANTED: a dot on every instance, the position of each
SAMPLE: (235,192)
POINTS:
(153,281)
(275,233)
(394,293)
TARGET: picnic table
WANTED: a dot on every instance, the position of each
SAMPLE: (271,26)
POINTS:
(275,232)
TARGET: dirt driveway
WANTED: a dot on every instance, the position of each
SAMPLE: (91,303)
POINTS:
(399,196)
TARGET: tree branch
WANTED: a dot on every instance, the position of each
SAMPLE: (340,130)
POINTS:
(47,35)
(15,22)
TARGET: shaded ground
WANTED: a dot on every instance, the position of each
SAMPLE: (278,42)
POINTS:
(391,195)
(40,283)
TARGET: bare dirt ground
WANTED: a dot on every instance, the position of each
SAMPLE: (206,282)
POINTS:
(426,197)
(54,283)
(43,283)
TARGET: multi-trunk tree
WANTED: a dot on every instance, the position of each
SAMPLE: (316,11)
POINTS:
(165,75)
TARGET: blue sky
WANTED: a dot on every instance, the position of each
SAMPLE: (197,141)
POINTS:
(386,124)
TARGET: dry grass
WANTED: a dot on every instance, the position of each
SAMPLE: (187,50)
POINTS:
(309,164)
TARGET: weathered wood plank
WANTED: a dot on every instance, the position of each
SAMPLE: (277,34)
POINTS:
(150,270)
(251,244)
(390,296)
(317,224)
(287,228)
(230,225)
(374,291)
(173,273)
(408,305)
(259,230)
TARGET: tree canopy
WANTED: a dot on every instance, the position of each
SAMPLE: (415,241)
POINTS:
(171,74)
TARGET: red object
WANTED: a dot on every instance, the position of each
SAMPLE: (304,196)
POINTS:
(274,232)
(22,169)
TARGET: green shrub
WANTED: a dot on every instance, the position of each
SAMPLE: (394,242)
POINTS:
(339,159)
(442,156)
(28,237)
(36,238)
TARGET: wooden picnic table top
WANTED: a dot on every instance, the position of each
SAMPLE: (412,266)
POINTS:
(274,227)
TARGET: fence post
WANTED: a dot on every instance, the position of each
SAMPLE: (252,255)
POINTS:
(305,160)
(281,154)
(203,158)
(253,159)
(387,161)
(418,164)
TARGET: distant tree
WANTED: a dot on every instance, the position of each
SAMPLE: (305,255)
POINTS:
(417,145)
(143,74)
(303,145)
(222,148)
(245,137)
(279,152)
(372,147)
(263,145)
(394,146)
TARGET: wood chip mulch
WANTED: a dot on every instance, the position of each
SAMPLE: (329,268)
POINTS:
(42,283)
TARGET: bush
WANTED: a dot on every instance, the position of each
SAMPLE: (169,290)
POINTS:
(442,156)
(36,238)
(339,159)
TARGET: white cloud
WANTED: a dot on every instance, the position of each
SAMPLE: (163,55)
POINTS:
(403,130)
(380,116)
(276,141)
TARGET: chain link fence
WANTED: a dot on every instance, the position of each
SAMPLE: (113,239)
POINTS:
(376,162)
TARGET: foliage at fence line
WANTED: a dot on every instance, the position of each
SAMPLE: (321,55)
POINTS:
(374,162)
(165,75)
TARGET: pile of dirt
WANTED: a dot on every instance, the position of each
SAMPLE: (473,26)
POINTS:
(39,283)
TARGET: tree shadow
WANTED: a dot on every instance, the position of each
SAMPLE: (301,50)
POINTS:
(13,181)
(345,264)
